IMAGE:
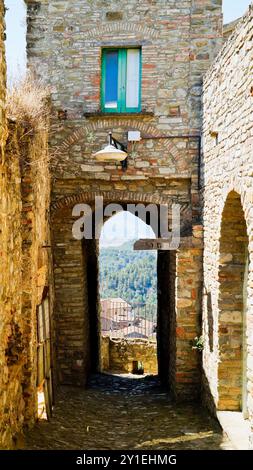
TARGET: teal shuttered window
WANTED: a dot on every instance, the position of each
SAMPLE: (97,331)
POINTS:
(121,80)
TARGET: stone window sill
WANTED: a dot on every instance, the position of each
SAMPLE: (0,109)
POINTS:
(100,114)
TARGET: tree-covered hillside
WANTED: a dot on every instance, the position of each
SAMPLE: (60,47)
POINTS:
(128,274)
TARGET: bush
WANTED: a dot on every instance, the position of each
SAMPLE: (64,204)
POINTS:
(198,343)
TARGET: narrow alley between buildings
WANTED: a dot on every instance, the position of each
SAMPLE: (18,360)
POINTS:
(125,412)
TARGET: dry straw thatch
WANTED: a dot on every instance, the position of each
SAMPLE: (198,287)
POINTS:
(27,106)
(28,103)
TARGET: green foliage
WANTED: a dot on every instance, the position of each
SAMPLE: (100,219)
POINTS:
(198,343)
(129,274)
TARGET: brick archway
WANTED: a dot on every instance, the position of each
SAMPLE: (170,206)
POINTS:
(113,123)
(109,196)
(113,196)
(123,198)
(76,297)
(232,279)
(119,27)
(77,300)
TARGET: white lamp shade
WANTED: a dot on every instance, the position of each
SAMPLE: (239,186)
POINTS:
(110,154)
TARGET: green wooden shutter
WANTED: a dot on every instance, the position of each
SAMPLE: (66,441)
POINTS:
(122,83)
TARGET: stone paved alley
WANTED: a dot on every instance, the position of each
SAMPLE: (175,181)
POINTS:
(125,412)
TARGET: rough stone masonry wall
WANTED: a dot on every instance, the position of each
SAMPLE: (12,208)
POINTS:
(118,355)
(2,78)
(24,263)
(36,252)
(24,276)
(179,40)
(71,310)
(227,176)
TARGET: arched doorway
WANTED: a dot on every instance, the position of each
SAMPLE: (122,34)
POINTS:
(77,304)
(128,297)
(165,296)
(233,276)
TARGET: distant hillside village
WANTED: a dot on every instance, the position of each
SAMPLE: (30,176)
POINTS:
(119,319)
(128,284)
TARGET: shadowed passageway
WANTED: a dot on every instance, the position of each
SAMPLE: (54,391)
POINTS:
(125,412)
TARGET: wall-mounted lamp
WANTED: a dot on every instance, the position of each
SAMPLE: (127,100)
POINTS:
(115,151)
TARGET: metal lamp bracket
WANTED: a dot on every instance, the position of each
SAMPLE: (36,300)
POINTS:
(120,146)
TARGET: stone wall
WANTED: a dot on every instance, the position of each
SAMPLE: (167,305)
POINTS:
(71,310)
(119,355)
(24,273)
(228,224)
(2,78)
(179,318)
(105,353)
(186,324)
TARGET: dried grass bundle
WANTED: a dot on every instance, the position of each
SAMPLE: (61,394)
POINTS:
(28,103)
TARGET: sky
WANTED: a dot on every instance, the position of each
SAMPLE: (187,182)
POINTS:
(233,9)
(16,38)
(123,226)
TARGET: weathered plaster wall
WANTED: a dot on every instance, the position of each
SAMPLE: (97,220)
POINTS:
(228,192)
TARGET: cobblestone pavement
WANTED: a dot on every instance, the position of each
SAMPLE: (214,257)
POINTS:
(123,412)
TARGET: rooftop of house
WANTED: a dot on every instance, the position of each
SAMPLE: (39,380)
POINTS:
(116,300)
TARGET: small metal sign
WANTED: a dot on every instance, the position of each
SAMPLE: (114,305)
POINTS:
(162,244)
(150,244)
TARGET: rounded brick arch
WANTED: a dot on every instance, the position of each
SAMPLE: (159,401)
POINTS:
(109,197)
(244,192)
(122,27)
(232,302)
(113,123)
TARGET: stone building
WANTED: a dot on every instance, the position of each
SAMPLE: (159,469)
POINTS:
(228,224)
(168,46)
